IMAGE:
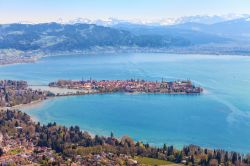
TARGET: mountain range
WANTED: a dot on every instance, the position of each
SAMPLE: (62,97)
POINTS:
(202,19)
(190,34)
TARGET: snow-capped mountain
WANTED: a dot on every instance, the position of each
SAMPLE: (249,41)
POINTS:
(202,19)
(206,19)
(102,22)
(110,22)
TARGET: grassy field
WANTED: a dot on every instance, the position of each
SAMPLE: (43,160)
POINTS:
(152,162)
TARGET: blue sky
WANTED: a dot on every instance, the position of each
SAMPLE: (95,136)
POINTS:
(51,10)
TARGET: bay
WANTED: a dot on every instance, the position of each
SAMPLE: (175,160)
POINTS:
(219,118)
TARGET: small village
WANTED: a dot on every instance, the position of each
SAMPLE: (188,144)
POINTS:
(17,151)
(20,144)
(130,86)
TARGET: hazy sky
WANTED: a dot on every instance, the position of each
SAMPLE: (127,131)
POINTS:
(51,10)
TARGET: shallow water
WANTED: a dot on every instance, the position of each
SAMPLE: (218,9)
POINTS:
(219,118)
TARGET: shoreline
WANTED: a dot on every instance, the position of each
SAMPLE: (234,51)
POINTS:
(38,102)
(21,106)
(178,146)
(91,133)
(36,58)
(197,151)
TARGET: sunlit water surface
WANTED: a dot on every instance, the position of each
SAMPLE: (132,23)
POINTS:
(219,118)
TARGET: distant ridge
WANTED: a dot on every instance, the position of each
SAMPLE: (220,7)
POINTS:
(25,42)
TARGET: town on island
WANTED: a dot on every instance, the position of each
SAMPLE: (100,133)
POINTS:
(14,93)
(130,86)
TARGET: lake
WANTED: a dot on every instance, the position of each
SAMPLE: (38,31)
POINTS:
(219,118)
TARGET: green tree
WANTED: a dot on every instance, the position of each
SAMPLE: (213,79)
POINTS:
(1,152)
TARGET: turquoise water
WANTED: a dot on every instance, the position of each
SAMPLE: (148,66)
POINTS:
(219,118)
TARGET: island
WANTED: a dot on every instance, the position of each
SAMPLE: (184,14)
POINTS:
(130,86)
(15,93)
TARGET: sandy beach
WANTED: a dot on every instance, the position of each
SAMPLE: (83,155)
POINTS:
(57,91)
(25,106)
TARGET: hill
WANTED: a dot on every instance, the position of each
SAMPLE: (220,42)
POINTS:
(61,37)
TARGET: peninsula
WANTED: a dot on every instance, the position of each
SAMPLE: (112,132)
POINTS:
(130,86)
